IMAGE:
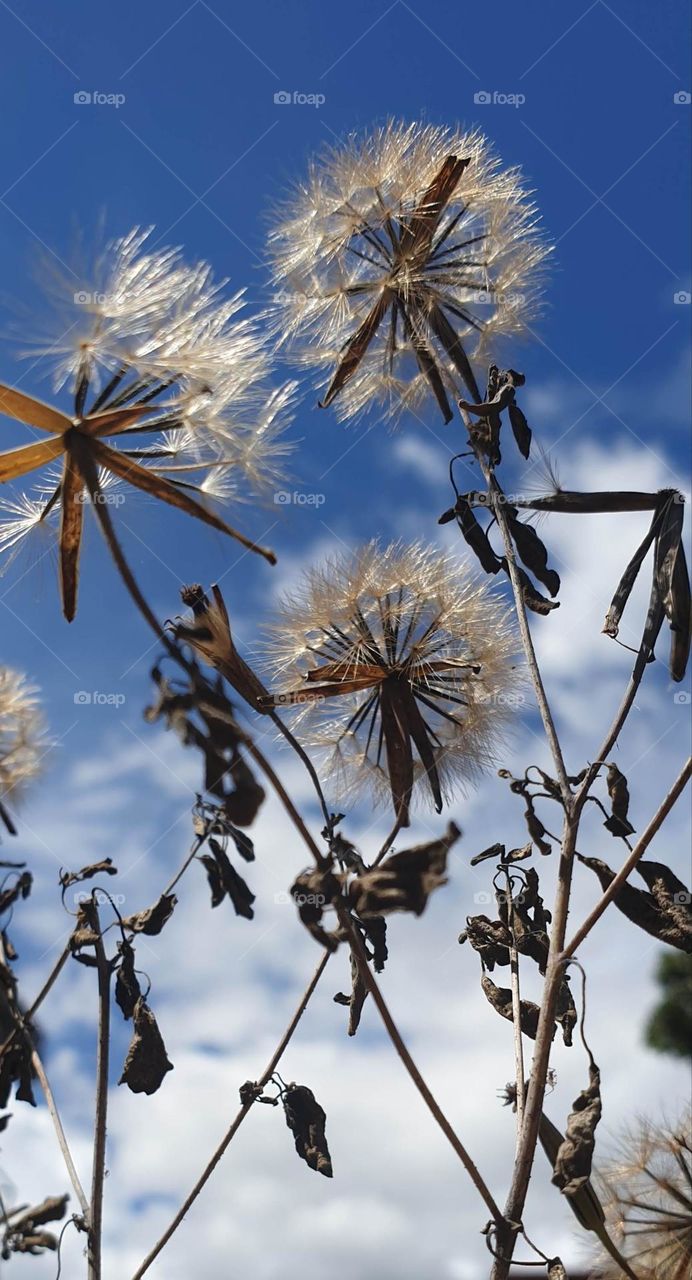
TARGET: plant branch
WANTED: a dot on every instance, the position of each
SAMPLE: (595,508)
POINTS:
(29,1013)
(630,863)
(101,1113)
(237,1121)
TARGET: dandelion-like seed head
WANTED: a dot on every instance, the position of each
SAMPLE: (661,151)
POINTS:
(22,733)
(405,667)
(402,254)
(170,391)
(649,1198)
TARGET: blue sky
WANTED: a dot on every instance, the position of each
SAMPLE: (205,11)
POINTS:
(200,149)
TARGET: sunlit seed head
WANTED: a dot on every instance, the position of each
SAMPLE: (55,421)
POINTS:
(419,617)
(339,241)
(23,740)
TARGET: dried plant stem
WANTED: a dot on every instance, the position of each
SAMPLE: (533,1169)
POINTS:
(303,755)
(615,729)
(630,863)
(236,1123)
(21,1028)
(526,1148)
(496,498)
(516,1022)
(101,1113)
(285,799)
(60,1132)
(420,1084)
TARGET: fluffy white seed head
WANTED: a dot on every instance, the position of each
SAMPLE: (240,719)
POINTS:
(418,614)
(23,738)
(336,247)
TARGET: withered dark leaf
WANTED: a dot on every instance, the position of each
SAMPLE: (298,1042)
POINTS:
(214,876)
(575,1155)
(535,828)
(532,551)
(566,1014)
(151,921)
(105,867)
(20,889)
(475,535)
(501,1000)
(490,938)
(147,1062)
(238,891)
(306,1120)
(405,880)
(16,1068)
(52,1209)
(520,429)
(618,823)
(611,626)
(312,892)
(127,988)
(667,918)
(85,933)
(357,998)
(531,597)
(375,928)
(495,851)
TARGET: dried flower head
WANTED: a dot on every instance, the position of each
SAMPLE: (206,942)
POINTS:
(406,679)
(159,363)
(400,252)
(22,733)
(650,1201)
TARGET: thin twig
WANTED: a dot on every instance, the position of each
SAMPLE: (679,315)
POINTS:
(630,863)
(516,1011)
(238,1120)
(396,1039)
(21,1028)
(29,1013)
(101,1111)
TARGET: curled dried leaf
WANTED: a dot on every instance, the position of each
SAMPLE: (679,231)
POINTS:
(306,1120)
(532,551)
(666,915)
(535,828)
(152,920)
(209,634)
(313,892)
(474,534)
(490,938)
(520,429)
(405,880)
(618,823)
(573,1162)
(127,988)
(147,1062)
(496,851)
(356,999)
(501,1000)
(20,889)
(105,867)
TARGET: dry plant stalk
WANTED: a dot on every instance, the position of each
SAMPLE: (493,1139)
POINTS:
(397,263)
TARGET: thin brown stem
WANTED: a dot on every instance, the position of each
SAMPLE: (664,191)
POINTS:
(101,1112)
(237,1121)
(259,756)
(60,1132)
(29,1013)
(516,1016)
(416,1077)
(630,863)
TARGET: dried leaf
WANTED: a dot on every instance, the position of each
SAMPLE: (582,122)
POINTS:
(574,1158)
(105,867)
(501,1000)
(535,828)
(668,918)
(531,597)
(146,1063)
(52,1209)
(238,891)
(532,551)
(618,823)
(566,1014)
(306,1120)
(475,535)
(127,988)
(152,920)
(313,891)
(375,928)
(520,429)
(215,878)
(20,889)
(490,938)
(495,851)
(405,880)
(357,998)
(611,626)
